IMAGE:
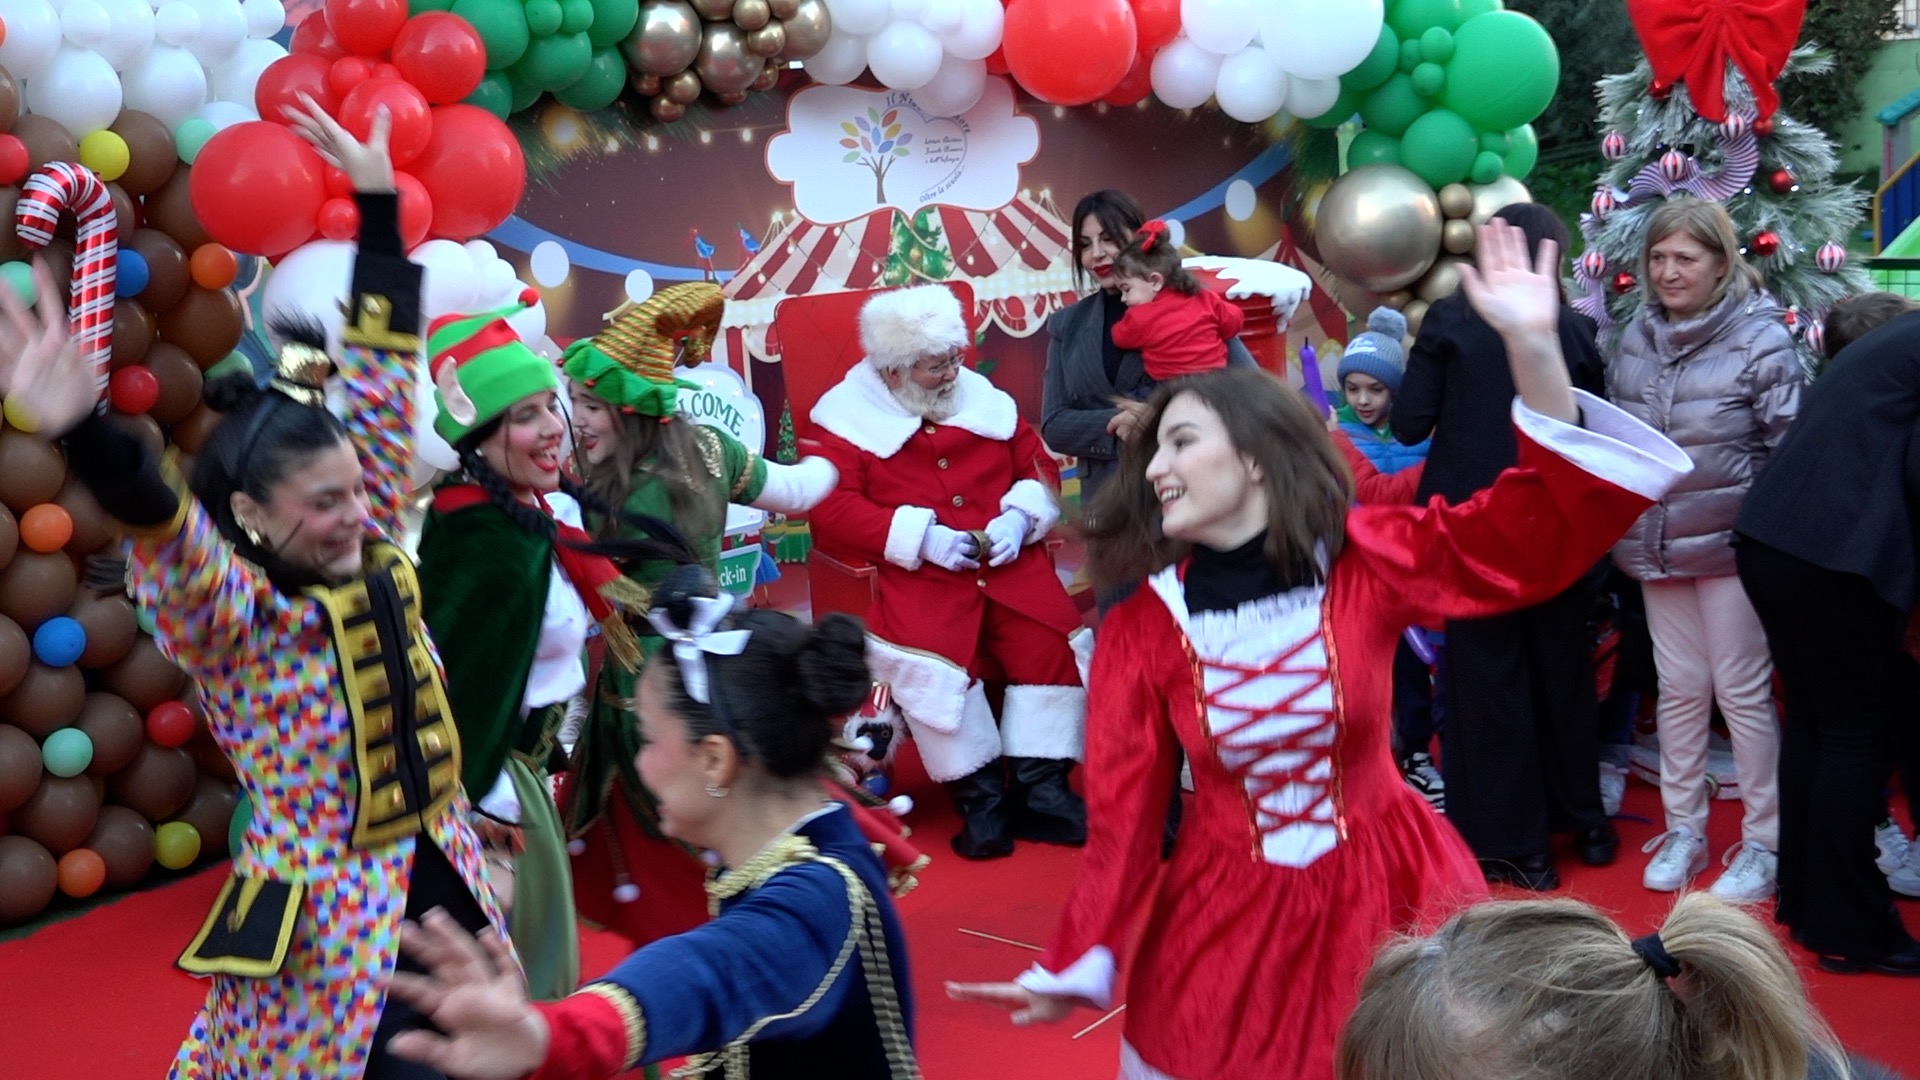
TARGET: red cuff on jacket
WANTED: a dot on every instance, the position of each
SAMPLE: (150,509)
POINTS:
(588,1034)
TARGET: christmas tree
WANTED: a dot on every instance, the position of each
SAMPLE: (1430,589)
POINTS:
(1773,174)
(919,250)
(786,448)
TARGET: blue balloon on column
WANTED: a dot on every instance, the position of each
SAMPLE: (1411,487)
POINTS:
(67,752)
(59,641)
(130,275)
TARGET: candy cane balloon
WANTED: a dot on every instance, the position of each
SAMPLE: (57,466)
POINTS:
(59,186)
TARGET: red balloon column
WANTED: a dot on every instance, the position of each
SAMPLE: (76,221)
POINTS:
(459,170)
(1105,42)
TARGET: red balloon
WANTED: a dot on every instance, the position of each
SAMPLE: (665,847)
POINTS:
(1103,36)
(387,71)
(133,390)
(260,190)
(366,26)
(171,724)
(284,80)
(339,219)
(14,159)
(472,168)
(416,209)
(1155,23)
(346,73)
(997,61)
(1136,85)
(339,186)
(313,38)
(442,55)
(412,120)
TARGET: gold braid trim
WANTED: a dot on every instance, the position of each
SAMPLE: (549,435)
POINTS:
(630,1015)
(746,475)
(160,534)
(626,595)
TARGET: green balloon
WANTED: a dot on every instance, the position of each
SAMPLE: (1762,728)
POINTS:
(1343,109)
(418,7)
(237,826)
(1474,8)
(1440,148)
(502,26)
(1373,148)
(1503,72)
(143,616)
(1392,107)
(1497,141)
(1522,153)
(67,752)
(229,364)
(1429,79)
(1411,18)
(613,20)
(553,62)
(190,136)
(524,95)
(1436,45)
(1409,54)
(1486,167)
(1379,65)
(544,17)
(606,75)
(18,276)
(576,16)
(494,94)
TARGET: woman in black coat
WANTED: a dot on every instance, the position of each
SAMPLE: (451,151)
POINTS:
(1520,751)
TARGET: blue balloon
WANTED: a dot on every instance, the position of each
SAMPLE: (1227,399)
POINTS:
(877,785)
(130,279)
(59,641)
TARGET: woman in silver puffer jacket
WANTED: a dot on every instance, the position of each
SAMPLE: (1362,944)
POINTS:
(1708,362)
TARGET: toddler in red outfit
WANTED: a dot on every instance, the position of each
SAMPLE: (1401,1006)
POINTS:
(1178,327)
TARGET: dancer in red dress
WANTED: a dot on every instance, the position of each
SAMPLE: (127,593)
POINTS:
(1261,647)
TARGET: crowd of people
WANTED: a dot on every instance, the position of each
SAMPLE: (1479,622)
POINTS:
(1343,678)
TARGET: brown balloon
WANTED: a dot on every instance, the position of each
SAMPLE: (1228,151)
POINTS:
(126,217)
(59,814)
(9,528)
(28,876)
(211,760)
(152,156)
(58,255)
(20,769)
(207,323)
(16,654)
(124,841)
(11,246)
(134,332)
(142,427)
(169,271)
(170,209)
(110,625)
(31,471)
(117,730)
(645,85)
(144,677)
(210,811)
(91,530)
(9,101)
(45,700)
(46,140)
(180,385)
(665,110)
(191,433)
(35,587)
(158,782)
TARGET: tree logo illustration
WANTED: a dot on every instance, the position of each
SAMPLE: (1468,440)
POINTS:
(875,141)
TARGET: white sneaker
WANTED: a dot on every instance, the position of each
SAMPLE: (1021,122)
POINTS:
(1905,878)
(1680,855)
(1423,777)
(1892,843)
(1613,787)
(1751,877)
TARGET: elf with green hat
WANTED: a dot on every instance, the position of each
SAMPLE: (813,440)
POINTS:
(510,585)
(638,452)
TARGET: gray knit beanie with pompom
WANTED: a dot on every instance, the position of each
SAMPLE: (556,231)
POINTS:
(1377,352)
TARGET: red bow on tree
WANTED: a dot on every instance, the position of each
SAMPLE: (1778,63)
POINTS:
(1692,41)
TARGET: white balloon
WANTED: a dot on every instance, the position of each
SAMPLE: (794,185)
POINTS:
(859,17)
(1320,39)
(904,56)
(1250,87)
(175,23)
(941,16)
(310,281)
(1241,200)
(954,89)
(264,17)
(33,37)
(79,91)
(449,285)
(498,285)
(84,23)
(224,114)
(908,9)
(168,82)
(482,252)
(1223,27)
(1308,98)
(550,263)
(223,26)
(236,81)
(1184,74)
(840,61)
(978,32)
(639,286)
(530,323)
(131,33)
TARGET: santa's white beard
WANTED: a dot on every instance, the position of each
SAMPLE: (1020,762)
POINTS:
(935,405)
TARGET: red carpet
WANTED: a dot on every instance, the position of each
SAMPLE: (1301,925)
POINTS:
(97,997)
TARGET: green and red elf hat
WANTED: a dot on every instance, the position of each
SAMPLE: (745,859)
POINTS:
(480,367)
(629,365)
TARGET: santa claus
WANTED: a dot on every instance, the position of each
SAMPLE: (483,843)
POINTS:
(949,493)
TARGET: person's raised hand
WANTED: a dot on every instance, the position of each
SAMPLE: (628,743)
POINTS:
(1516,291)
(1027,1006)
(48,387)
(475,994)
(367,164)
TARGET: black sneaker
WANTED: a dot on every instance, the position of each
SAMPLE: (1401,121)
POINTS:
(1422,777)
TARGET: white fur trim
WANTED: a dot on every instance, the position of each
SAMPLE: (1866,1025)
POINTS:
(1081,641)
(1612,446)
(797,488)
(972,743)
(901,327)
(905,535)
(1090,977)
(862,410)
(1033,498)
(1044,722)
(929,690)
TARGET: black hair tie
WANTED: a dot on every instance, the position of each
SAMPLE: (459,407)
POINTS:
(1650,950)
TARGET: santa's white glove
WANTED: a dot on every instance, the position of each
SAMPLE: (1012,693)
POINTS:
(949,549)
(1006,535)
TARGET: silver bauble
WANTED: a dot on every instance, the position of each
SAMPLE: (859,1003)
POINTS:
(1379,227)
(665,39)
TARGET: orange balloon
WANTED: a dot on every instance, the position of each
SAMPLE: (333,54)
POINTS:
(213,266)
(46,528)
(81,873)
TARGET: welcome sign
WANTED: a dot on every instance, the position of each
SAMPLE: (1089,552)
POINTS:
(719,399)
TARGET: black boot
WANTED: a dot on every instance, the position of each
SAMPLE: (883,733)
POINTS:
(985,813)
(1048,811)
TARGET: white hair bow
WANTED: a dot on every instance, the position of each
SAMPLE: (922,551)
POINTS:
(693,643)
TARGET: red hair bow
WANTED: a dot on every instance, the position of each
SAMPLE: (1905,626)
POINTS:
(1153,232)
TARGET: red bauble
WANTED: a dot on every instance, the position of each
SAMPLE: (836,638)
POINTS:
(1763,127)
(133,390)
(1766,243)
(1623,282)
(14,160)
(1661,91)
(171,724)
(1781,181)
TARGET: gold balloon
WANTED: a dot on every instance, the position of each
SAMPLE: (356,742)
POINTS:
(808,29)
(1441,281)
(682,89)
(1397,300)
(645,85)
(1456,201)
(724,64)
(751,14)
(1416,314)
(665,40)
(1379,227)
(736,98)
(1456,236)
(666,110)
(783,9)
(768,40)
(1489,198)
(770,77)
(713,9)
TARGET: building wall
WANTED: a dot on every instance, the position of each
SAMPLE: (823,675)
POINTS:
(1894,75)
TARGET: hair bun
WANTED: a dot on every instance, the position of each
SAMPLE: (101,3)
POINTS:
(832,665)
(682,586)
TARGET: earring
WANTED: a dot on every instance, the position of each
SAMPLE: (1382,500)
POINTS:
(253,534)
(718,792)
